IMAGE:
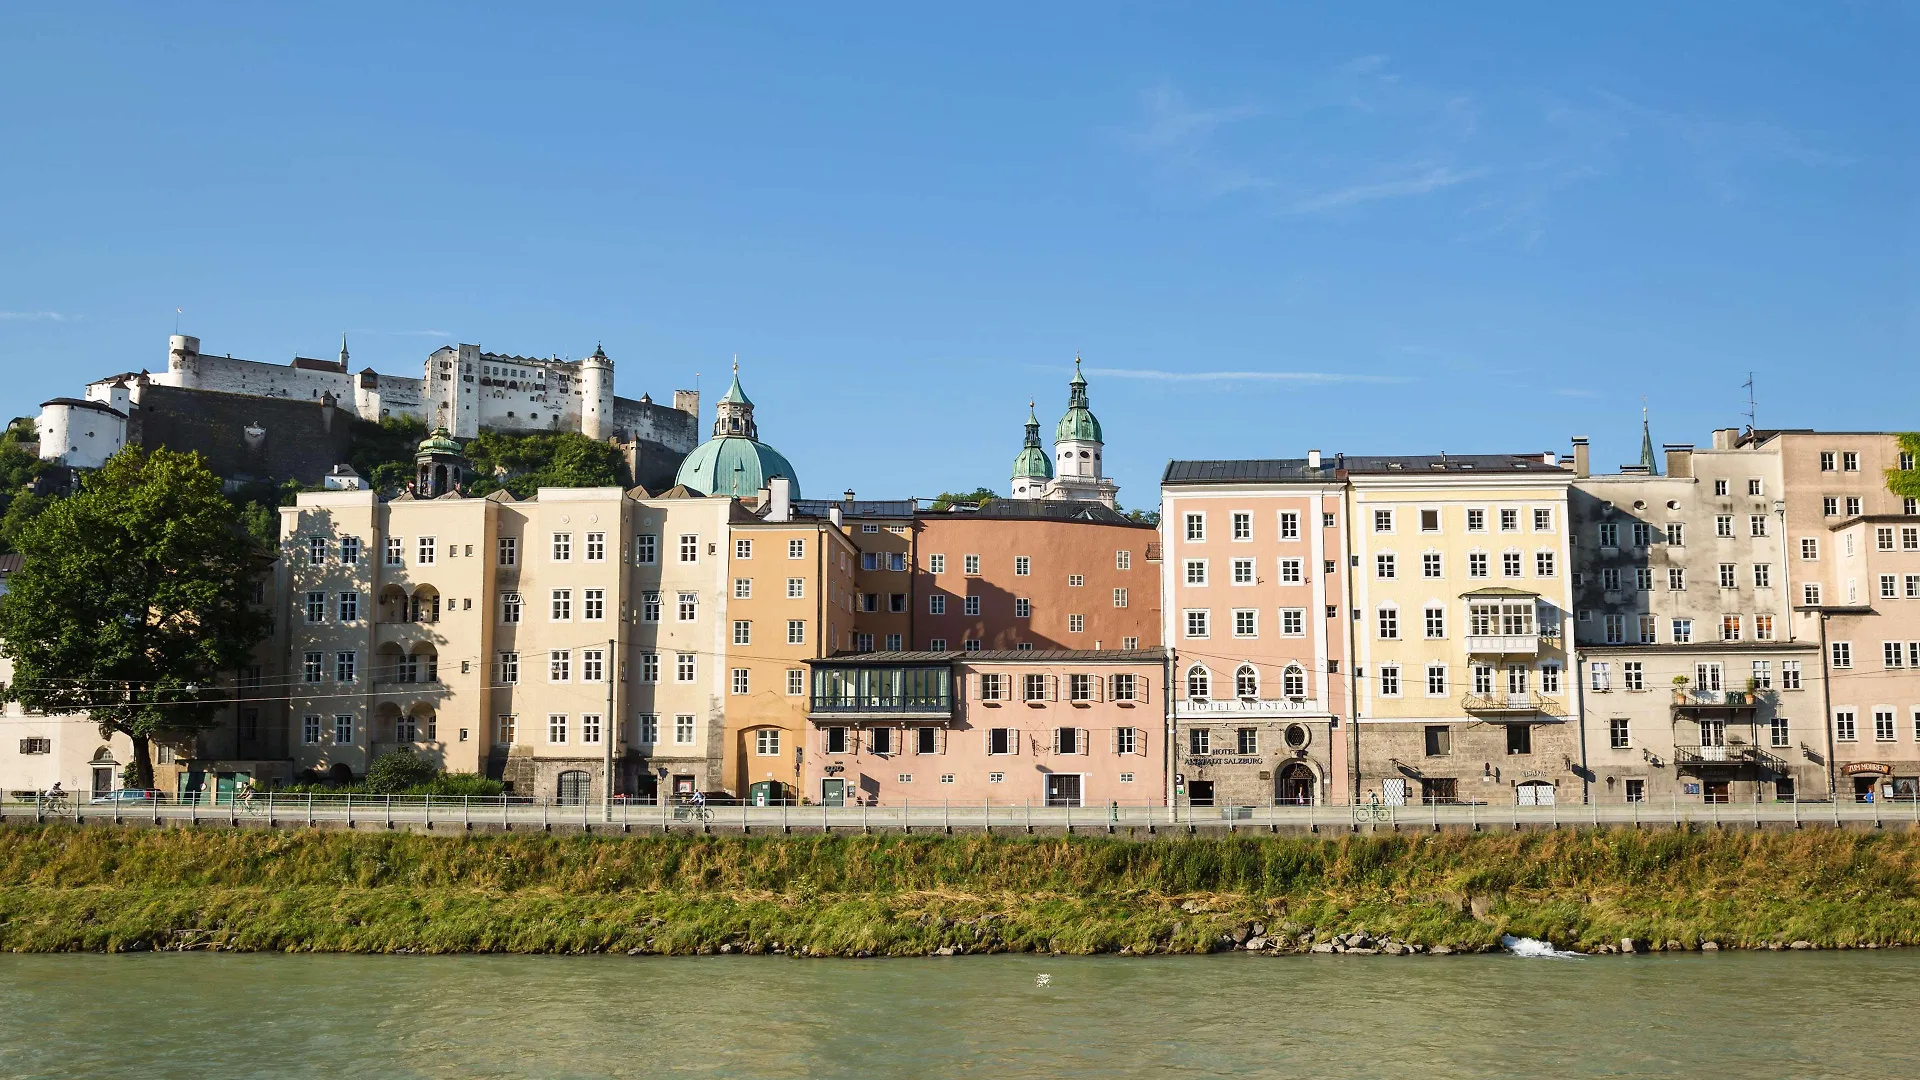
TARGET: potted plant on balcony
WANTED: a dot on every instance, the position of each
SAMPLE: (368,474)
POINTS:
(1680,689)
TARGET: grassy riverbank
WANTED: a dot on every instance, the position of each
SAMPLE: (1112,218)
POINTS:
(65,889)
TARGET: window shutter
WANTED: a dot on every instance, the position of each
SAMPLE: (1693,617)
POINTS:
(1140,689)
(1140,741)
(1099,687)
(1056,739)
(986,745)
(973,687)
(1013,740)
(1085,742)
(1053,688)
(1113,742)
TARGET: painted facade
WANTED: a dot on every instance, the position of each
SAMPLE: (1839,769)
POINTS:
(1041,728)
(1252,594)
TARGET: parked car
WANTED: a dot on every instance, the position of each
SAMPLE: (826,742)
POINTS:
(127,795)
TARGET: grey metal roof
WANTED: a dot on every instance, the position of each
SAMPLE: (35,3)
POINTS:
(1220,472)
(1450,463)
(859,508)
(999,656)
(1333,466)
(1053,509)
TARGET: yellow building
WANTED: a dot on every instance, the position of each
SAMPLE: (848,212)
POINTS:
(1461,584)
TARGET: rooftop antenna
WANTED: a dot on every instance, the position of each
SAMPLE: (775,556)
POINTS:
(1750,402)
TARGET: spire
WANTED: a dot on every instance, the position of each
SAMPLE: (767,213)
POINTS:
(343,348)
(1033,425)
(733,413)
(1032,464)
(1078,425)
(1647,460)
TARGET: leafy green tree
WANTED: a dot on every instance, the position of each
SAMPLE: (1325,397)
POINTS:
(1906,482)
(523,464)
(383,452)
(1145,517)
(399,770)
(133,599)
(947,500)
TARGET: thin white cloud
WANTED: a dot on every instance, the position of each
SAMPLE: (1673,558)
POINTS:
(1244,376)
(32,316)
(1432,179)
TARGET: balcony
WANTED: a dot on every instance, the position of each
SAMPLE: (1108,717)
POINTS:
(844,691)
(1511,705)
(1726,757)
(933,707)
(1503,644)
(1684,698)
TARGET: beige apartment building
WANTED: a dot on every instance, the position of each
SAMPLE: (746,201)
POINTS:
(535,641)
(1460,591)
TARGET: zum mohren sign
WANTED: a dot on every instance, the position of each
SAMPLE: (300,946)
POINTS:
(1855,768)
(1204,761)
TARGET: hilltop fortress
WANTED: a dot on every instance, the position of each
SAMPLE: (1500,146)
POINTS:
(263,420)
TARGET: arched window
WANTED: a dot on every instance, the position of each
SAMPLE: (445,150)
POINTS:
(1293,682)
(1199,687)
(573,788)
(1246,682)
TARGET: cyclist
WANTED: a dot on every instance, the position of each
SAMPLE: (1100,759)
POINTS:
(54,798)
(243,795)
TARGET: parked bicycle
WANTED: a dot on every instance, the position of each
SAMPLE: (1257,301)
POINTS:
(1373,812)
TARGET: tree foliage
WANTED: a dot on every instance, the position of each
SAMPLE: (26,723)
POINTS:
(523,464)
(133,598)
(383,452)
(398,770)
(947,500)
(1906,482)
(20,467)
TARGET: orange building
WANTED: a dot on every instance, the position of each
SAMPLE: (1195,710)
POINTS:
(1035,575)
(882,534)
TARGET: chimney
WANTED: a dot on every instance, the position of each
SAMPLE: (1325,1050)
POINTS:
(1679,460)
(1724,438)
(847,495)
(1313,459)
(833,515)
(1549,458)
(780,491)
(1582,465)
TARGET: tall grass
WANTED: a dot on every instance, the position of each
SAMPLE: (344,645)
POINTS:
(101,888)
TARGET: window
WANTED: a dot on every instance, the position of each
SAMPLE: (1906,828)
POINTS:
(1893,654)
(1849,461)
(350,551)
(649,729)
(310,666)
(557,728)
(1723,526)
(796,682)
(1196,623)
(1383,521)
(1119,598)
(1199,684)
(1197,741)
(316,550)
(1609,534)
(1720,487)
(1390,680)
(1757,525)
(1389,623)
(1075,581)
(1293,622)
(688,606)
(1619,733)
(926,740)
(1729,628)
(1830,505)
(1439,740)
(1123,560)
(683,667)
(1079,688)
(1436,680)
(1125,740)
(742,588)
(971,564)
(1289,525)
(1810,594)
(1729,575)
(1677,535)
(739,680)
(596,552)
(1429,521)
(1243,571)
(1435,618)
(510,607)
(562,605)
(1477,564)
(1789,674)
(1543,564)
(1022,607)
(1910,538)
(1826,461)
(343,728)
(1602,677)
(590,727)
(881,741)
(509,668)
(346,666)
(349,607)
(689,547)
(646,549)
(1519,738)
(970,605)
(1853,506)
(1034,688)
(1290,572)
(1648,625)
(1883,725)
(869,560)
(395,551)
(1633,676)
(1476,521)
(1196,571)
(1482,679)
(316,607)
(683,729)
(1383,566)
(1510,564)
(1125,688)
(560,666)
(796,631)
(1196,527)
(1076,624)
(1509,520)
(796,549)
(1616,629)
(1809,548)
(1430,564)
(1682,631)
(1841,653)
(1242,525)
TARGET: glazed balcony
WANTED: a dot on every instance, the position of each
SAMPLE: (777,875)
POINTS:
(1503,644)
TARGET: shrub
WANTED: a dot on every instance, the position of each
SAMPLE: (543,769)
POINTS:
(397,770)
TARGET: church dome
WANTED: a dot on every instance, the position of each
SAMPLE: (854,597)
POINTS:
(734,461)
(1079,424)
(1033,462)
(438,443)
(733,465)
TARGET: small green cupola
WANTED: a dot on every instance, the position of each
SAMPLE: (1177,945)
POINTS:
(1033,468)
(439,465)
(1079,424)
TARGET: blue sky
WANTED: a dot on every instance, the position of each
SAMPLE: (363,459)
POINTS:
(1382,228)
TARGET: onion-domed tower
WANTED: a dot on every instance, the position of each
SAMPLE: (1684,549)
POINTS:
(1032,470)
(734,461)
(1077,446)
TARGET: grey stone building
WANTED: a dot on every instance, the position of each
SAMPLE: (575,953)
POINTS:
(1692,683)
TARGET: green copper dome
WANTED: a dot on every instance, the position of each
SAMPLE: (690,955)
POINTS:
(438,443)
(1033,462)
(1079,425)
(732,465)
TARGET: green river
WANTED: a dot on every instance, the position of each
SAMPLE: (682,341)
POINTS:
(206,1016)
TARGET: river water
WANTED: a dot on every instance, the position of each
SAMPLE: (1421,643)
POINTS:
(210,1017)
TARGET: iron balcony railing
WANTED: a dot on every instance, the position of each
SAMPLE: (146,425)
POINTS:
(1739,756)
(1511,704)
(1686,698)
(849,705)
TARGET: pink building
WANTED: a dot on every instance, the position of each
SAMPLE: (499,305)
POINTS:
(1252,591)
(1047,728)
